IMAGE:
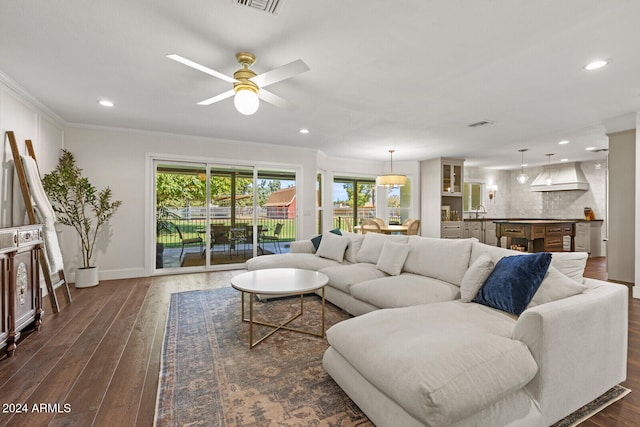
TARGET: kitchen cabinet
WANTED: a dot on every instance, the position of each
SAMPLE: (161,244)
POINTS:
(452,177)
(483,230)
(21,305)
(538,235)
(452,230)
(441,200)
(489,233)
(474,229)
(589,237)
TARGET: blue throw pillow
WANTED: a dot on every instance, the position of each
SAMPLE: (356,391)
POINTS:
(316,240)
(514,281)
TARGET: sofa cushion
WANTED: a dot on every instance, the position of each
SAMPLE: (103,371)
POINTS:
(297,260)
(475,277)
(434,359)
(392,257)
(555,286)
(444,259)
(404,290)
(342,277)
(514,281)
(333,246)
(372,246)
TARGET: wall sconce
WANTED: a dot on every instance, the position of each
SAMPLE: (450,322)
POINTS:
(493,190)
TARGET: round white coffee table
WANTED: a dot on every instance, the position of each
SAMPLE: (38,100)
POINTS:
(279,281)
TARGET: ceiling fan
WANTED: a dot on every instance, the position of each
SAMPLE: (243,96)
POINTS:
(248,87)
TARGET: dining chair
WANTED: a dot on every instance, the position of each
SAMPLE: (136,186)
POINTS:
(370,226)
(413,227)
(380,222)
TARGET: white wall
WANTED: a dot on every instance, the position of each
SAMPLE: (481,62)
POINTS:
(621,245)
(636,288)
(28,120)
(120,159)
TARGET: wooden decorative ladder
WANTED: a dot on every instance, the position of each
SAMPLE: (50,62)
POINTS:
(51,282)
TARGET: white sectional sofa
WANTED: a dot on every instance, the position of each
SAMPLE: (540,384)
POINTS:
(420,352)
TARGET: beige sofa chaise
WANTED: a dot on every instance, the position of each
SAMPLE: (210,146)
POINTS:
(420,352)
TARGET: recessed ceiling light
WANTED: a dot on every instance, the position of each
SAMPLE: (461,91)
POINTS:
(304,131)
(564,160)
(563,142)
(591,148)
(106,103)
(594,65)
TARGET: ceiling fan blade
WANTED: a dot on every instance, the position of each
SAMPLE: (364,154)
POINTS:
(202,68)
(225,95)
(281,73)
(273,99)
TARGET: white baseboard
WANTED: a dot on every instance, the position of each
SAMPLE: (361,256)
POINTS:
(125,273)
(636,291)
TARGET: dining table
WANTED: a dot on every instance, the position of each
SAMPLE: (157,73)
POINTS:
(386,229)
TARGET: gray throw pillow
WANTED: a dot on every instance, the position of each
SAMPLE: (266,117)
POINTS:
(475,277)
(392,257)
(332,246)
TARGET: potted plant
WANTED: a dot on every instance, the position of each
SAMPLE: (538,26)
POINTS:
(78,204)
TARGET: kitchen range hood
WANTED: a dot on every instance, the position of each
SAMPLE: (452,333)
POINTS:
(564,177)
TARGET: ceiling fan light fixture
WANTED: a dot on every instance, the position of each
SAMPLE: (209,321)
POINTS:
(391,180)
(246,101)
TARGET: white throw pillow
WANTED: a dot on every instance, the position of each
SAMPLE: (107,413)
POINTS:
(372,246)
(555,286)
(354,246)
(571,264)
(392,257)
(475,277)
(332,246)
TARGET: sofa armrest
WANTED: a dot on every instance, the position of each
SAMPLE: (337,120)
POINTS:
(580,346)
(302,247)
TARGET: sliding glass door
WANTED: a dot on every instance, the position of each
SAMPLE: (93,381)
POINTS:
(215,214)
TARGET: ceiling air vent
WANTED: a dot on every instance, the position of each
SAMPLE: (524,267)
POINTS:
(269,6)
(480,124)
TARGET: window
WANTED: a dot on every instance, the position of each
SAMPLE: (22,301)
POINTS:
(473,195)
(398,203)
(354,200)
(211,214)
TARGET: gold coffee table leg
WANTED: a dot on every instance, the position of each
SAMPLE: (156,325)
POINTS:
(282,325)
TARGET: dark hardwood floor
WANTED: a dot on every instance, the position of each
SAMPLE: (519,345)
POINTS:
(100,356)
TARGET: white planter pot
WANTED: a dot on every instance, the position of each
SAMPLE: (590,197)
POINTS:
(86,277)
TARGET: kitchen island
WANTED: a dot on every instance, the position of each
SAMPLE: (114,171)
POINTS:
(539,235)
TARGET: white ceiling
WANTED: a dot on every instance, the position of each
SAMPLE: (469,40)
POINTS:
(406,74)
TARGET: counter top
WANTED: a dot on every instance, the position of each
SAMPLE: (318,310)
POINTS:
(533,219)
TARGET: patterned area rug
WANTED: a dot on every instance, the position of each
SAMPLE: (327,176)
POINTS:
(613,395)
(209,377)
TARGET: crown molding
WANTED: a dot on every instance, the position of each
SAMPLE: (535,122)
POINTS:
(25,95)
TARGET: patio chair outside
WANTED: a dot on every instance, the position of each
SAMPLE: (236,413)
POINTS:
(275,237)
(188,241)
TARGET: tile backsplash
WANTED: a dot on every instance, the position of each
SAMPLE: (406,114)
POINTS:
(518,201)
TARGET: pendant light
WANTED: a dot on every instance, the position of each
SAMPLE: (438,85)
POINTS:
(549,179)
(522,177)
(391,180)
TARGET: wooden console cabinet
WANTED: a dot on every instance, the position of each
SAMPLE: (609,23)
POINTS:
(21,305)
(539,235)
